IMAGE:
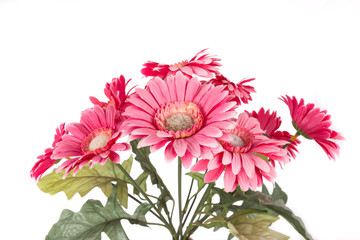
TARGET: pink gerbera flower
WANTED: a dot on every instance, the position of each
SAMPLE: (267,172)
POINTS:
(245,157)
(182,113)
(116,93)
(45,161)
(270,123)
(239,91)
(312,123)
(202,65)
(92,140)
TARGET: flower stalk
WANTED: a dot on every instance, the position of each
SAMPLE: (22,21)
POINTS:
(293,138)
(180,199)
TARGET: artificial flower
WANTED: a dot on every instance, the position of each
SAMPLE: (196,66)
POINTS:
(201,65)
(116,93)
(183,113)
(312,123)
(45,160)
(92,140)
(239,91)
(270,123)
(245,159)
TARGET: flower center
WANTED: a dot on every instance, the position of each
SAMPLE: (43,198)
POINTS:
(97,141)
(237,141)
(242,140)
(180,119)
(179,65)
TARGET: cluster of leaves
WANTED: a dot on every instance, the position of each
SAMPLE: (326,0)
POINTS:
(104,177)
(94,218)
(251,213)
(247,215)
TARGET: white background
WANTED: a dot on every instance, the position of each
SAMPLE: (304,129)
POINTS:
(55,54)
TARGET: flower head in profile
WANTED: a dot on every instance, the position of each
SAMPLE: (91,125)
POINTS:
(312,123)
(45,160)
(182,113)
(239,91)
(270,123)
(201,65)
(116,93)
(245,158)
(92,140)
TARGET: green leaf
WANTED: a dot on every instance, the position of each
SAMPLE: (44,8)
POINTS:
(247,224)
(254,227)
(199,177)
(230,236)
(265,190)
(278,207)
(94,218)
(142,156)
(86,179)
(214,222)
(279,194)
(141,181)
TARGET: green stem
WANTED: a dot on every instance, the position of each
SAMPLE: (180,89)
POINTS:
(188,197)
(179,197)
(188,213)
(132,181)
(156,224)
(291,139)
(191,228)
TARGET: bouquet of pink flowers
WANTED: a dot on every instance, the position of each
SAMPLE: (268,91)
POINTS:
(190,110)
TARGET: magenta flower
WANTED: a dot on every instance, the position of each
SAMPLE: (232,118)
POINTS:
(239,91)
(270,123)
(115,92)
(45,161)
(202,65)
(312,123)
(182,113)
(245,158)
(92,140)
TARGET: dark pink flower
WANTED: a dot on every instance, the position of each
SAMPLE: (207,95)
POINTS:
(201,65)
(93,140)
(239,91)
(245,159)
(270,123)
(45,160)
(182,113)
(312,123)
(116,93)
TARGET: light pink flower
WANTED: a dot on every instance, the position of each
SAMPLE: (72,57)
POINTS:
(116,93)
(245,158)
(45,161)
(182,113)
(201,65)
(270,123)
(92,140)
(312,123)
(239,91)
